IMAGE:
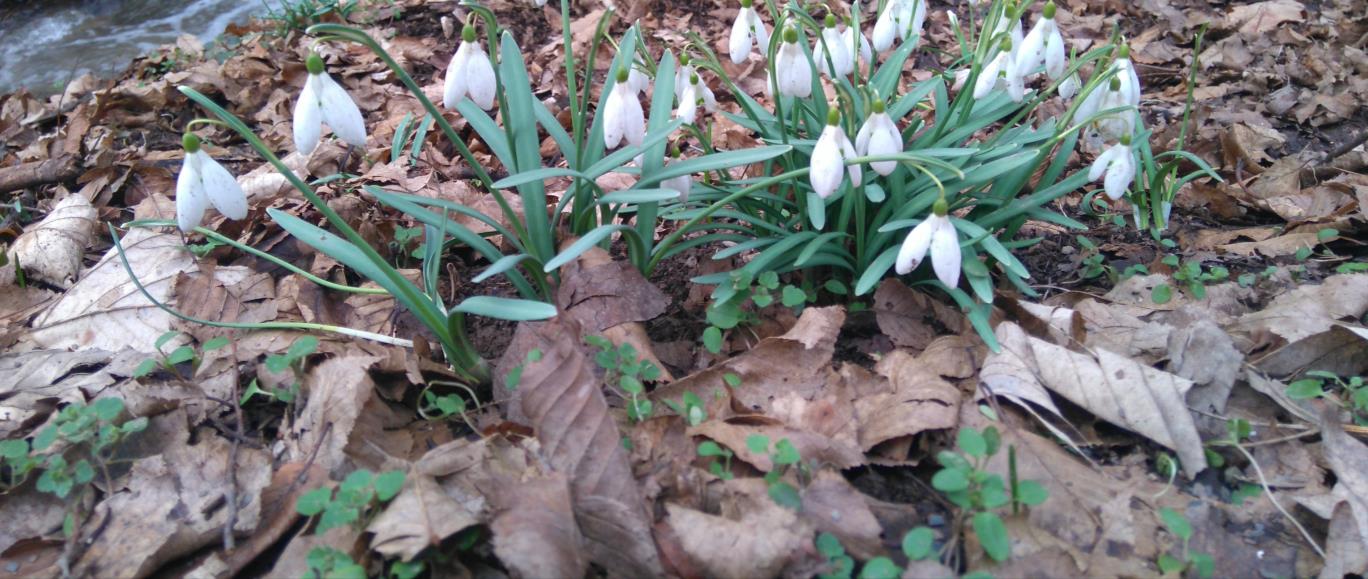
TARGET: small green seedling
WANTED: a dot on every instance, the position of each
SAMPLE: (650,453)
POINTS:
(690,407)
(181,355)
(514,376)
(979,493)
(293,361)
(784,456)
(352,502)
(722,469)
(622,367)
(728,307)
(1201,563)
(1350,394)
(839,564)
(330,563)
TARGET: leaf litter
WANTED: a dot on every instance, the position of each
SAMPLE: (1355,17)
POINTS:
(1116,402)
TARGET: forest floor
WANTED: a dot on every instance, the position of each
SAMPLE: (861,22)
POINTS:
(1128,372)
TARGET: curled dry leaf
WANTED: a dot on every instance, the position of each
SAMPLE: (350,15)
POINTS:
(173,505)
(51,251)
(536,534)
(1308,309)
(914,399)
(1113,387)
(105,310)
(797,362)
(759,539)
(611,298)
(909,318)
(1342,350)
(1349,459)
(337,389)
(563,402)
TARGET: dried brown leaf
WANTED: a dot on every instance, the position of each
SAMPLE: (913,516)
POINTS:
(536,534)
(1308,309)
(757,542)
(51,251)
(337,390)
(563,402)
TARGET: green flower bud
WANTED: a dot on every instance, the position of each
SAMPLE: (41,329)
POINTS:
(190,142)
(746,3)
(1126,140)
(830,20)
(790,34)
(684,59)
(940,207)
(1123,51)
(693,78)
(314,63)
(622,74)
(833,116)
(877,106)
(1049,11)
(1115,83)
(468,33)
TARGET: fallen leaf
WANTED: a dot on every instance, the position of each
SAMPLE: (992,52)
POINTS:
(759,541)
(915,400)
(536,534)
(1308,309)
(51,251)
(1260,17)
(337,390)
(1115,388)
(563,402)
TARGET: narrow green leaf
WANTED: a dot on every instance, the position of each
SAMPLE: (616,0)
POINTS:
(511,309)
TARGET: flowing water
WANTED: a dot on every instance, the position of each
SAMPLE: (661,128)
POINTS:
(45,43)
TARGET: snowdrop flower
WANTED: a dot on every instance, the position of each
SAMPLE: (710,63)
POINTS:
(1130,81)
(1118,166)
(848,40)
(1002,72)
(1043,45)
(879,136)
(900,19)
(470,74)
(1012,18)
(1112,126)
(686,78)
(688,101)
(746,27)
(937,234)
(829,158)
(325,101)
(791,70)
(203,182)
(841,63)
(622,114)
(637,80)
(682,183)
(1069,87)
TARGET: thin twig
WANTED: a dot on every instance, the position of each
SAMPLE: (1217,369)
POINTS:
(1268,490)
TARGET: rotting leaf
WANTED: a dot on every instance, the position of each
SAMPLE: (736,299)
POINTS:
(51,251)
(563,401)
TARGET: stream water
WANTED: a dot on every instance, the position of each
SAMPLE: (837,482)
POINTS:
(45,43)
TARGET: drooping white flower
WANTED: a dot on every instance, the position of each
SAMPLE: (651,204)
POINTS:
(1130,81)
(830,43)
(879,136)
(1043,46)
(682,183)
(470,74)
(1011,24)
(325,101)
(1069,87)
(1001,73)
(791,70)
(829,156)
(937,234)
(686,79)
(622,114)
(1117,164)
(848,39)
(688,100)
(203,182)
(748,26)
(637,80)
(900,19)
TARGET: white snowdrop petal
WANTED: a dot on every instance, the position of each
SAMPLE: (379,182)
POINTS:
(190,202)
(341,112)
(762,35)
(862,136)
(221,188)
(1099,165)
(1120,174)
(481,84)
(1056,61)
(847,153)
(454,85)
(914,247)
(308,120)
(739,44)
(613,128)
(945,253)
(688,104)
(827,164)
(884,30)
(883,143)
(988,78)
